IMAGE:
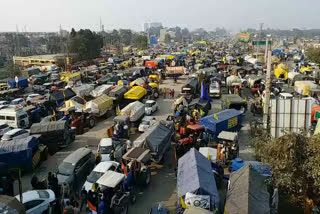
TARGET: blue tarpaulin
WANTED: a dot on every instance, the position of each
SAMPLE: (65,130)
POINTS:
(226,120)
(22,83)
(204,93)
(19,152)
(264,170)
(195,176)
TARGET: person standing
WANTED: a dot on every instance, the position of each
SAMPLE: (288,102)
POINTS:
(164,93)
(83,197)
(173,93)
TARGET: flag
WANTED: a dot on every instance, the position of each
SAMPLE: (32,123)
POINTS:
(204,93)
(118,110)
(208,156)
(215,117)
(245,99)
(124,169)
(91,206)
(93,187)
(54,112)
(183,205)
(64,95)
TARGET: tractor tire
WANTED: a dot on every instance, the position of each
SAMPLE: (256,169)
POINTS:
(91,122)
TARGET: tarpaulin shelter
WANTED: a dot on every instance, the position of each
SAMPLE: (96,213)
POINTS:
(83,90)
(133,110)
(227,120)
(99,105)
(247,193)
(100,90)
(195,176)
(62,95)
(22,82)
(118,92)
(135,93)
(199,103)
(238,163)
(159,140)
(204,93)
(281,70)
(11,205)
(18,153)
(67,76)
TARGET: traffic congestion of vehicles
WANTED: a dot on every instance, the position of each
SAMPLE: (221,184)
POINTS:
(144,122)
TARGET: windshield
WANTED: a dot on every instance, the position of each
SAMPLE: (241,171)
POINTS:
(94,176)
(145,122)
(149,104)
(105,149)
(65,168)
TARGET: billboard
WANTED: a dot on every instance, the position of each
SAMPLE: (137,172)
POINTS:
(244,37)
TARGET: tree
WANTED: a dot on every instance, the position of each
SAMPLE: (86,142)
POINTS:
(313,54)
(167,38)
(12,70)
(295,163)
(126,36)
(141,41)
(85,44)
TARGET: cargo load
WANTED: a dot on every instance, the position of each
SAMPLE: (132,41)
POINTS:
(281,71)
(303,87)
(175,71)
(22,83)
(195,176)
(135,93)
(159,140)
(61,96)
(134,111)
(227,120)
(83,90)
(18,153)
(99,106)
(54,134)
(100,90)
(117,93)
(233,80)
(67,76)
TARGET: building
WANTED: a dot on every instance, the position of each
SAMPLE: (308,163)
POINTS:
(40,60)
(155,24)
(163,33)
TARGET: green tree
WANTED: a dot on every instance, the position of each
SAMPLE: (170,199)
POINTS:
(141,41)
(167,38)
(126,36)
(313,54)
(85,44)
(295,163)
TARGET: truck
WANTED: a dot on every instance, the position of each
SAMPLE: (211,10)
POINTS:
(54,134)
(14,116)
(214,89)
(22,82)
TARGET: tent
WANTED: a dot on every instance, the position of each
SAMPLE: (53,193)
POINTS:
(135,93)
(247,193)
(195,176)
(238,163)
(227,120)
(99,105)
(61,96)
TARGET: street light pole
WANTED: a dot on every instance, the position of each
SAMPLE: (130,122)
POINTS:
(267,94)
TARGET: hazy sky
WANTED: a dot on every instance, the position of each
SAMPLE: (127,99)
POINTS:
(45,15)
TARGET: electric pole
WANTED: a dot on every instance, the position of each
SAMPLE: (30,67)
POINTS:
(267,94)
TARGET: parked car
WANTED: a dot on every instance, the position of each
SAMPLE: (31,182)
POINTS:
(4,102)
(15,134)
(146,122)
(18,101)
(4,128)
(104,148)
(75,167)
(38,201)
(151,106)
(98,171)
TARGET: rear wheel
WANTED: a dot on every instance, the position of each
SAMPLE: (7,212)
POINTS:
(92,122)
(156,94)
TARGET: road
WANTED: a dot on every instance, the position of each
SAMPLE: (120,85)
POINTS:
(162,188)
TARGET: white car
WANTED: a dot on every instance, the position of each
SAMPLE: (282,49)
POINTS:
(38,201)
(146,122)
(150,107)
(31,97)
(104,148)
(98,171)
(18,101)
(4,128)
(15,134)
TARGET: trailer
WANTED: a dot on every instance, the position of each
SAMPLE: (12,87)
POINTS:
(99,106)
(226,120)
(134,111)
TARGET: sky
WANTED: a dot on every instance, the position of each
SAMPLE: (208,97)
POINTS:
(234,15)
